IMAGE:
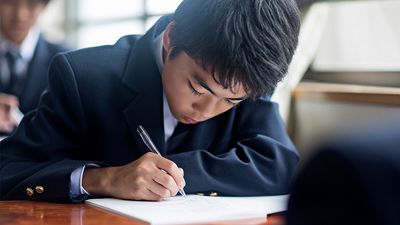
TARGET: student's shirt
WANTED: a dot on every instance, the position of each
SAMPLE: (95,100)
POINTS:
(23,53)
(77,192)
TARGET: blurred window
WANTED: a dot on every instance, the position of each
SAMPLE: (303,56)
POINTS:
(99,22)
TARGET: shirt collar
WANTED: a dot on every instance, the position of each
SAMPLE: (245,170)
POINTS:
(158,51)
(27,47)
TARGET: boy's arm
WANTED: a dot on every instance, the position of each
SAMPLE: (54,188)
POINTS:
(40,152)
(261,162)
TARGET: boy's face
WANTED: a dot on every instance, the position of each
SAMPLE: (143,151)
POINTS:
(18,16)
(192,93)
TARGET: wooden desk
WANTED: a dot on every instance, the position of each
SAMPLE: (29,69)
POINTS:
(34,213)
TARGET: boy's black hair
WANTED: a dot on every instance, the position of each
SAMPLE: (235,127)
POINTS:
(247,42)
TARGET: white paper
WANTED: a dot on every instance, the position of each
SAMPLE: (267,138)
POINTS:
(16,114)
(195,209)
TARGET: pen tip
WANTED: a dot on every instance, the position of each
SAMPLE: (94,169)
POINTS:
(182,192)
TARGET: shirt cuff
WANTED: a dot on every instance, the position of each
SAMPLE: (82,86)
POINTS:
(77,193)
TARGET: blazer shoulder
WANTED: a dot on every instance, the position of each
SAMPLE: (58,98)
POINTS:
(51,47)
(127,41)
(97,61)
(91,70)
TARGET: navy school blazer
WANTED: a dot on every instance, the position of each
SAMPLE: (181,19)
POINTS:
(96,99)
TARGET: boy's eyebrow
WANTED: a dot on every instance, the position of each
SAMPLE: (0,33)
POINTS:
(205,85)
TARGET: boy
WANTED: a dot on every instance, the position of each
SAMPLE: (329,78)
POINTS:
(198,81)
(24,58)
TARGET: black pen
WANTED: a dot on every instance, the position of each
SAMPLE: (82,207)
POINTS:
(149,143)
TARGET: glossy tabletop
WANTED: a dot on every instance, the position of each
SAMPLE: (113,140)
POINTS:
(34,213)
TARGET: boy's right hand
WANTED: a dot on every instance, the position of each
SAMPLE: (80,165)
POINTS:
(151,177)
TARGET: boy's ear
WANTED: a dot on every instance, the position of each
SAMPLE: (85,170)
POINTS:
(166,37)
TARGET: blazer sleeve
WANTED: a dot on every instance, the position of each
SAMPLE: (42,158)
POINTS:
(261,161)
(41,151)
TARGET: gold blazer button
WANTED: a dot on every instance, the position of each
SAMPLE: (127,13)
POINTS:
(39,189)
(29,191)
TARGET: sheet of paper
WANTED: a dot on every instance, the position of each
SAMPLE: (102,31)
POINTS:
(195,209)
(16,114)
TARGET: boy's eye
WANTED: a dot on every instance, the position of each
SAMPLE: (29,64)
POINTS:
(194,91)
(231,103)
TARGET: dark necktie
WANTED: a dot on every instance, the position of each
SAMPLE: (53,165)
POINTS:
(11,59)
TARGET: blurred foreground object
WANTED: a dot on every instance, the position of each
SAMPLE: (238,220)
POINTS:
(353,180)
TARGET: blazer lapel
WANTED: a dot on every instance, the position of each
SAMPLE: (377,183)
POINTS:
(180,133)
(194,136)
(146,109)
